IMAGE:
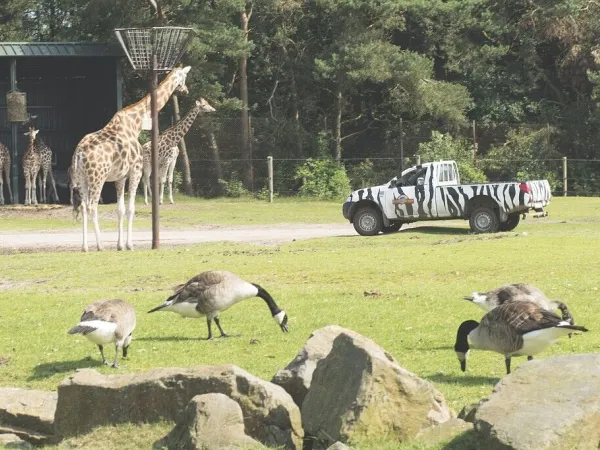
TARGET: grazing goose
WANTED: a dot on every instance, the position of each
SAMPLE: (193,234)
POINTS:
(107,321)
(512,329)
(214,291)
(519,292)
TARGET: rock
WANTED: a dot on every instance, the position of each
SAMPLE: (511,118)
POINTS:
(295,378)
(28,409)
(551,403)
(88,399)
(32,437)
(361,390)
(210,422)
(444,431)
(338,446)
(468,412)
(13,441)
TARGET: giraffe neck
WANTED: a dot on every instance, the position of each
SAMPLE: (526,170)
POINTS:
(181,128)
(141,109)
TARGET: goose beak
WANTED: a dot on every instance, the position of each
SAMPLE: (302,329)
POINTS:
(158,308)
(468,298)
(462,358)
(283,324)
(463,365)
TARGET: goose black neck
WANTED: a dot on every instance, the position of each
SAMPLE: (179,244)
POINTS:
(268,299)
(462,335)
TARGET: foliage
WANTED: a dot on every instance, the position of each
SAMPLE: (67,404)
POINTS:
(444,146)
(323,179)
(362,174)
(234,187)
(522,157)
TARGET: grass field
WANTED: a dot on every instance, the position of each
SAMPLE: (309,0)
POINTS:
(422,274)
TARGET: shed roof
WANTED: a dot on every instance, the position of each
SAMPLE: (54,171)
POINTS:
(35,49)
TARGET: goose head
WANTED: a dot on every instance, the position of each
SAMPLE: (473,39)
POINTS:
(461,346)
(281,318)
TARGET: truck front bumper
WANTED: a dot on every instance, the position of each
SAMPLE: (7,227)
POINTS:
(346,209)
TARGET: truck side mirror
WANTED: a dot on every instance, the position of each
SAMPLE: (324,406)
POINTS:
(420,181)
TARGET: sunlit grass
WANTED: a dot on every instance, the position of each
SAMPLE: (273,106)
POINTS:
(422,275)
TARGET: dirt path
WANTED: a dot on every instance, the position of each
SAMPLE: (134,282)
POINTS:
(31,241)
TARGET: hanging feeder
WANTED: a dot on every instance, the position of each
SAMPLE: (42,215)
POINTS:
(168,43)
(16,106)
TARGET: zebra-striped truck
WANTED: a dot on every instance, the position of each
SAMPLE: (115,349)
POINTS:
(432,191)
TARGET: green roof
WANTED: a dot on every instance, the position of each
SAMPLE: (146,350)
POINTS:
(35,49)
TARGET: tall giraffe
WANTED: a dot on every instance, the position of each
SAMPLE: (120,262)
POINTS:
(114,154)
(46,169)
(168,150)
(5,170)
(31,166)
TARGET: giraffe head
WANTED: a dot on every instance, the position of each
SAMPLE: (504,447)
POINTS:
(179,76)
(32,133)
(204,106)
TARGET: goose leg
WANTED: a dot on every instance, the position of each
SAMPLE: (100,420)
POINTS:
(115,363)
(507,361)
(223,334)
(102,353)
(208,324)
(125,348)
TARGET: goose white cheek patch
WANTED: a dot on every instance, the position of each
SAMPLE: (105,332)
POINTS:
(279,317)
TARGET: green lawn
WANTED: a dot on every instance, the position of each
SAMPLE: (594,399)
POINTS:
(422,275)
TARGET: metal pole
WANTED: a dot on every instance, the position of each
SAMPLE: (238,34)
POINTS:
(401,146)
(155,193)
(270,171)
(475,145)
(418,160)
(14,128)
(565,187)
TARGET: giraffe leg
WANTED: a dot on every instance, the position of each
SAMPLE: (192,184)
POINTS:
(54,191)
(92,196)
(146,182)
(2,188)
(162,179)
(44,179)
(120,187)
(33,190)
(84,219)
(134,181)
(170,175)
(7,176)
(27,189)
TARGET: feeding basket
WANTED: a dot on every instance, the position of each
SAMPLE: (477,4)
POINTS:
(16,106)
(168,43)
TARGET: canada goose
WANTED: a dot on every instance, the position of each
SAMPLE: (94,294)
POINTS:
(214,291)
(107,321)
(519,292)
(512,329)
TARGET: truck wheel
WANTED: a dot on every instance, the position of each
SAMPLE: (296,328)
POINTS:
(392,228)
(484,220)
(368,221)
(511,223)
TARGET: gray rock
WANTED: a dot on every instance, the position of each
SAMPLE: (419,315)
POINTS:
(29,409)
(295,378)
(88,399)
(444,431)
(339,446)
(210,422)
(32,437)
(551,403)
(468,412)
(13,441)
(359,389)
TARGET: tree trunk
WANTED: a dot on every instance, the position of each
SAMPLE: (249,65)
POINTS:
(338,125)
(184,162)
(214,148)
(245,128)
(295,107)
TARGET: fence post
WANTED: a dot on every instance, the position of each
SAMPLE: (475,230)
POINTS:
(270,176)
(565,187)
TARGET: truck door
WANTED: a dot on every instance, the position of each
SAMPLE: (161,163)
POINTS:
(425,193)
(412,195)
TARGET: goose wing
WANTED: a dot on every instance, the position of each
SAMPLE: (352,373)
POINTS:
(521,317)
(202,286)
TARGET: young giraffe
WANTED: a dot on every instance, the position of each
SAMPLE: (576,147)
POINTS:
(168,150)
(31,166)
(46,169)
(114,154)
(5,169)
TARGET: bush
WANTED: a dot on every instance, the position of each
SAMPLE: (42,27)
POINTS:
(234,188)
(324,179)
(445,147)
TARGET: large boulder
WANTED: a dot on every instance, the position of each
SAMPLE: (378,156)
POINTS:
(551,403)
(295,378)
(359,389)
(211,422)
(13,441)
(88,399)
(28,413)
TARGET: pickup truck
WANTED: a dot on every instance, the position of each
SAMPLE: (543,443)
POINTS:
(432,191)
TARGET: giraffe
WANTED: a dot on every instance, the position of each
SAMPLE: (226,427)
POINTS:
(115,154)
(168,150)
(5,170)
(46,169)
(31,166)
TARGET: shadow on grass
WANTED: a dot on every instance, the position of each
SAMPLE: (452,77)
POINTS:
(47,370)
(201,337)
(438,230)
(465,380)
(466,441)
